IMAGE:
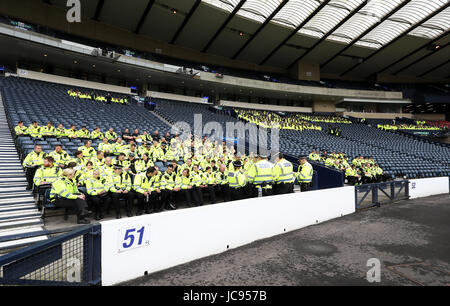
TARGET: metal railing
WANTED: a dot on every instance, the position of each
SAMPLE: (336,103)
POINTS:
(70,259)
(371,195)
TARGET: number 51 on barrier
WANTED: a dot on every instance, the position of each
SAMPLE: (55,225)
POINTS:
(133,237)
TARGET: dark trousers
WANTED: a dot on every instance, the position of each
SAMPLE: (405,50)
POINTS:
(305,187)
(156,201)
(352,180)
(265,191)
(77,204)
(283,188)
(236,193)
(212,193)
(29,173)
(224,190)
(116,197)
(197,194)
(168,197)
(186,194)
(99,202)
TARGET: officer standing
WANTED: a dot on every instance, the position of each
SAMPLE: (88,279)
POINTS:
(261,175)
(236,181)
(283,175)
(305,174)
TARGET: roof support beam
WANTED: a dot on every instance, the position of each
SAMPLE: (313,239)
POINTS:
(144,16)
(365,33)
(268,19)
(329,33)
(295,31)
(421,59)
(433,69)
(396,39)
(411,54)
(98,10)
(232,14)
(186,20)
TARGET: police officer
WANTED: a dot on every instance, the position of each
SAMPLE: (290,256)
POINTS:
(97,189)
(261,175)
(32,162)
(120,186)
(305,174)
(283,176)
(64,193)
(169,189)
(236,181)
(222,180)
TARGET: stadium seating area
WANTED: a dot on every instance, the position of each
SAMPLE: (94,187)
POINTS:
(27,101)
(399,155)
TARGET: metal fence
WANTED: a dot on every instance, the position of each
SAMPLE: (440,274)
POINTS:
(371,195)
(70,259)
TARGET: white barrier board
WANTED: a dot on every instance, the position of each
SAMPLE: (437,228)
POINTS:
(425,187)
(150,243)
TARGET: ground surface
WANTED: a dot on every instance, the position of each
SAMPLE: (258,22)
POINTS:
(410,239)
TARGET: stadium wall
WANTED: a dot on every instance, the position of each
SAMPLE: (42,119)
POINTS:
(276,108)
(28,74)
(172,238)
(420,188)
(169,96)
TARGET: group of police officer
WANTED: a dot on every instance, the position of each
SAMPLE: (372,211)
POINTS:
(155,173)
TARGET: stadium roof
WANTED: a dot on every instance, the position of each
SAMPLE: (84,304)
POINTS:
(346,37)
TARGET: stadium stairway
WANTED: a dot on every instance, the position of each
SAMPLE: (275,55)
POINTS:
(19,214)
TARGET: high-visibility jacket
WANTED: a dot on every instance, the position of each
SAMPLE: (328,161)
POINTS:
(123,163)
(78,178)
(34,132)
(97,163)
(305,173)
(157,153)
(168,181)
(110,136)
(83,134)
(236,179)
(105,147)
(119,148)
(184,182)
(97,135)
(222,177)
(95,186)
(34,159)
(63,188)
(209,178)
(61,158)
(21,130)
(120,182)
(71,133)
(61,132)
(81,161)
(197,178)
(314,156)
(46,174)
(351,172)
(106,170)
(48,131)
(141,165)
(261,172)
(87,152)
(146,137)
(142,183)
(284,172)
